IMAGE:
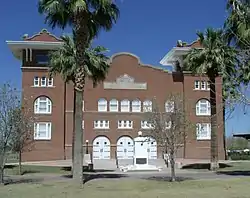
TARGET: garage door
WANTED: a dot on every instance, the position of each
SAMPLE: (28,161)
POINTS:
(152,148)
(101,148)
(125,148)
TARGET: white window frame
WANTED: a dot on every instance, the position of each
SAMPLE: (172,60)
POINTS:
(125,124)
(196,84)
(36,81)
(203,85)
(169,106)
(208,85)
(198,107)
(50,82)
(113,105)
(125,103)
(48,126)
(101,124)
(136,105)
(83,105)
(102,105)
(146,124)
(147,106)
(202,126)
(83,124)
(168,125)
(37,105)
(43,81)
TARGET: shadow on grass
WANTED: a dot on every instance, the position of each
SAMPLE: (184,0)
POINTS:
(89,177)
(205,166)
(168,179)
(23,181)
(234,173)
(85,169)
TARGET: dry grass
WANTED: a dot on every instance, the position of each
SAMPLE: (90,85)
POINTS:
(124,188)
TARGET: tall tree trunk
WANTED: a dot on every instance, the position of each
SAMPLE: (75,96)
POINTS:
(172,166)
(214,140)
(81,39)
(73,133)
(20,162)
(1,175)
(224,129)
(78,140)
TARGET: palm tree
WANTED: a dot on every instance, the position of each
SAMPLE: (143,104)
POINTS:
(87,18)
(214,59)
(64,63)
(237,25)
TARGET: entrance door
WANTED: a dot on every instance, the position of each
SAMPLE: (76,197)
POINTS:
(101,148)
(125,148)
(152,148)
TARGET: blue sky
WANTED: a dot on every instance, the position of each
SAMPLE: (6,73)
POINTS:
(145,28)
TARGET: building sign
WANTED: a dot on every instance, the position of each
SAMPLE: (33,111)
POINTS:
(125,82)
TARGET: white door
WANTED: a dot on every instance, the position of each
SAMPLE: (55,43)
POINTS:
(101,148)
(152,148)
(125,148)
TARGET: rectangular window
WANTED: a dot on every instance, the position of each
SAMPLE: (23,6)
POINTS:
(203,131)
(208,85)
(36,81)
(125,124)
(101,124)
(168,125)
(42,131)
(146,125)
(42,59)
(83,124)
(169,106)
(50,82)
(203,85)
(197,85)
(43,81)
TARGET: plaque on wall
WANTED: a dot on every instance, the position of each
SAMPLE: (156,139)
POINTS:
(125,82)
(141,160)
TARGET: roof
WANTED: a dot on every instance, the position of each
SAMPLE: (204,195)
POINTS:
(181,49)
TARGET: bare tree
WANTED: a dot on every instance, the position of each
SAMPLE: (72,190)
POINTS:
(22,135)
(9,102)
(168,127)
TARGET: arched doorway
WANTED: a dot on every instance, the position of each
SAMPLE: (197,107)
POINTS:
(125,148)
(101,148)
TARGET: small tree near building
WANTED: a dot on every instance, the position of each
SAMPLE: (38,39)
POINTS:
(168,127)
(22,137)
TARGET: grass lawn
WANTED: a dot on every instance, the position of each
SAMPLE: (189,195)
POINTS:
(124,188)
(238,166)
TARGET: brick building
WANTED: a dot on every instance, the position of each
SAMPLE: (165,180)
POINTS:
(113,110)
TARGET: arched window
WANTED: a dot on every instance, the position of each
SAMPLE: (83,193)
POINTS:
(42,105)
(203,107)
(113,105)
(102,105)
(136,105)
(147,106)
(125,105)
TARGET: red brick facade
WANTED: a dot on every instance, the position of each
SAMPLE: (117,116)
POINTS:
(158,84)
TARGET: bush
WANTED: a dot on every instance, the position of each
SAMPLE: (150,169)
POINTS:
(239,156)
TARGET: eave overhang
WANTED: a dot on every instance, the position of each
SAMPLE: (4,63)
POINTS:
(17,46)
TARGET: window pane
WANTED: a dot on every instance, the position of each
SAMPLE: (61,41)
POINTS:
(42,59)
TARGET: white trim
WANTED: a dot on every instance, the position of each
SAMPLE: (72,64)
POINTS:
(101,124)
(125,124)
(198,107)
(113,105)
(198,128)
(37,105)
(170,57)
(48,130)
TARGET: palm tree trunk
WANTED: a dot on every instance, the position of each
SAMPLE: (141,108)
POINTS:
(214,141)
(81,39)
(73,134)
(78,140)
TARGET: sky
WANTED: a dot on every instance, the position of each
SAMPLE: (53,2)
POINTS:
(145,28)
